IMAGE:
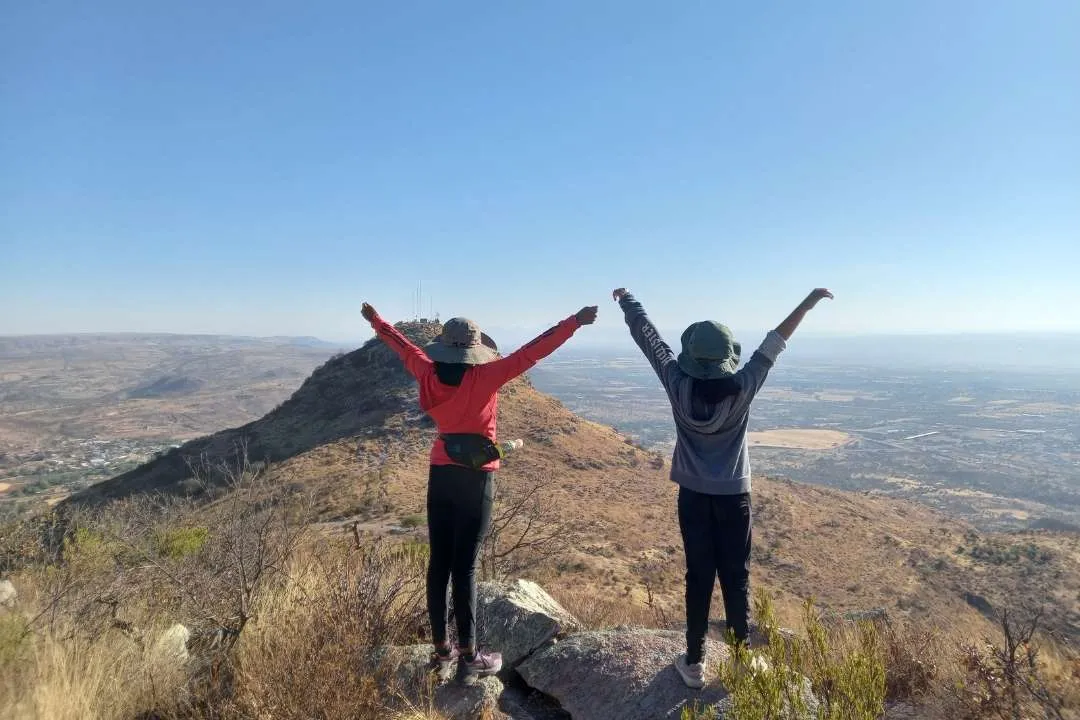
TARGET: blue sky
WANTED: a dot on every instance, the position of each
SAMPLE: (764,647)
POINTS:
(263,168)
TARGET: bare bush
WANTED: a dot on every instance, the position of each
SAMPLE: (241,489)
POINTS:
(1005,677)
(528,529)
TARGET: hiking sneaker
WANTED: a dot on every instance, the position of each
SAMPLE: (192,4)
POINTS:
(483,664)
(442,662)
(693,674)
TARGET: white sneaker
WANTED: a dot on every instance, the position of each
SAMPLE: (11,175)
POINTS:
(693,674)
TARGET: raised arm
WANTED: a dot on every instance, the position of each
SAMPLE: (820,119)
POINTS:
(755,371)
(787,328)
(415,360)
(656,351)
(503,370)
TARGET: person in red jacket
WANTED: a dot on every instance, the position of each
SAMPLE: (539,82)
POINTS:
(459,377)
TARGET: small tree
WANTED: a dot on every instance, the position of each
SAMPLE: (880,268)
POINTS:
(1004,679)
(528,530)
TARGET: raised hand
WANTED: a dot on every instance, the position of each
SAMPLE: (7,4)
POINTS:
(587,315)
(368,312)
(815,297)
(617,295)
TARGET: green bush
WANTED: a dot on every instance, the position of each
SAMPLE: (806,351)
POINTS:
(697,712)
(88,551)
(417,552)
(845,674)
(177,543)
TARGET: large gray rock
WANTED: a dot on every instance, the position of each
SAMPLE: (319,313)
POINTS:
(8,595)
(455,701)
(622,673)
(408,675)
(520,617)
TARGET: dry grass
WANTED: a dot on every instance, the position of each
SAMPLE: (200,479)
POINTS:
(596,610)
(61,674)
(305,653)
(311,646)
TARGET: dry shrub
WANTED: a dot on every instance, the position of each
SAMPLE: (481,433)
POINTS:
(600,610)
(529,529)
(912,661)
(308,653)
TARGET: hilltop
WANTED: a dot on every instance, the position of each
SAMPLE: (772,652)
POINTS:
(353,436)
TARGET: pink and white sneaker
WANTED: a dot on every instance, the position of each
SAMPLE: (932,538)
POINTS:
(483,663)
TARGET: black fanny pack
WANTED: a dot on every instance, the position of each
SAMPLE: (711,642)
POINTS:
(472,451)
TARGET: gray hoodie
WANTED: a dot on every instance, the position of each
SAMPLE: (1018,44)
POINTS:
(710,454)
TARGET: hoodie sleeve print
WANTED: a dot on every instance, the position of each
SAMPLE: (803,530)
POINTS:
(503,370)
(761,362)
(656,351)
(416,361)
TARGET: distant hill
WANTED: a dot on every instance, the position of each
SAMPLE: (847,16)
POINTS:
(353,436)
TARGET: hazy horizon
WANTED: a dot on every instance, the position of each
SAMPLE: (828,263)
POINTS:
(1037,351)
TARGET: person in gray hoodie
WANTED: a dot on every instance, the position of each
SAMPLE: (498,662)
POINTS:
(710,401)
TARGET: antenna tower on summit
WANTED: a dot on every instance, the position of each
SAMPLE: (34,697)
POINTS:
(418,305)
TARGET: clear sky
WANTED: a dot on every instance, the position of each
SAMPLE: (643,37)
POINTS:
(263,167)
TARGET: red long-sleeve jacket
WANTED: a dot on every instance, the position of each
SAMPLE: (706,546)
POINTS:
(471,407)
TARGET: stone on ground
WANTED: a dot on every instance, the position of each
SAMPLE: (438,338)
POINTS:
(520,617)
(624,673)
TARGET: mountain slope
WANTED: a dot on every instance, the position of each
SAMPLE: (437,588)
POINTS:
(353,436)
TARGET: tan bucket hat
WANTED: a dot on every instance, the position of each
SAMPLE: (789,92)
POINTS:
(462,342)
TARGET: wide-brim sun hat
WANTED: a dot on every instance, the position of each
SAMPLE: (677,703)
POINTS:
(709,351)
(461,341)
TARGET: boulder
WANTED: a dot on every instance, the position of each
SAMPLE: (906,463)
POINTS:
(409,675)
(456,701)
(518,618)
(172,645)
(622,673)
(8,594)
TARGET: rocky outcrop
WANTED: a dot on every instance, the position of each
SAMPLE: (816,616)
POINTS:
(519,618)
(626,674)
(552,671)
(407,669)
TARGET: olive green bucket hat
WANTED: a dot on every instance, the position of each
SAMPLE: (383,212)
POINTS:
(462,342)
(709,351)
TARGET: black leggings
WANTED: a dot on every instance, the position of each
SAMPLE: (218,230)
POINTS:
(716,532)
(459,503)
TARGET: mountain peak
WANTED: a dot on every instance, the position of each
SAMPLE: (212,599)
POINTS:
(351,394)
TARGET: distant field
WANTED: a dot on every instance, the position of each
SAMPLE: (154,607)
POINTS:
(799,439)
(4,487)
